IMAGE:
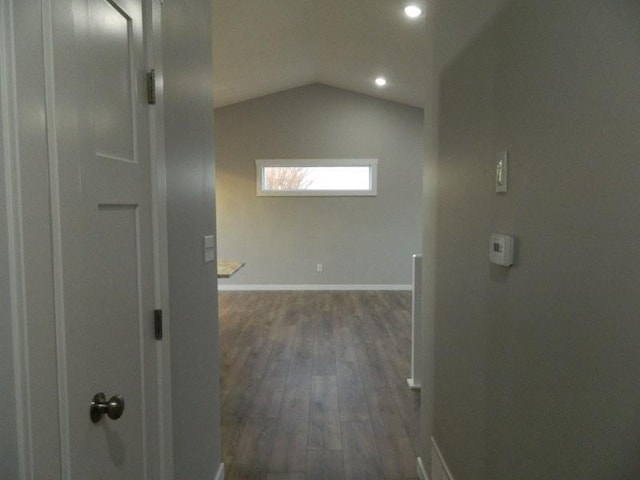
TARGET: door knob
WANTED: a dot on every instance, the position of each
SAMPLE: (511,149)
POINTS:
(100,406)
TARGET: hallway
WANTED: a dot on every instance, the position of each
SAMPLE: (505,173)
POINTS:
(314,385)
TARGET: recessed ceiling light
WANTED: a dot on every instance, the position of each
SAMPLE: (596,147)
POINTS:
(412,11)
(381,81)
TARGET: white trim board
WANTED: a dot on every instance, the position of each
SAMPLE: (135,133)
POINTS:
(152,18)
(51,115)
(349,287)
(422,473)
(439,468)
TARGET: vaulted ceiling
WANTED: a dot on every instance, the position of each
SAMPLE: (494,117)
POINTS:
(266,46)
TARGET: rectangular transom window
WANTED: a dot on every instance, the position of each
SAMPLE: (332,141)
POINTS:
(318,177)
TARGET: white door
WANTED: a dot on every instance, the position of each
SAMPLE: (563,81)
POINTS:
(106,242)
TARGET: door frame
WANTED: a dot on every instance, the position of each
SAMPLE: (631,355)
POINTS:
(14,288)
(27,361)
(152,18)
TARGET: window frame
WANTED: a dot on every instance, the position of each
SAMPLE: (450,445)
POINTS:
(372,163)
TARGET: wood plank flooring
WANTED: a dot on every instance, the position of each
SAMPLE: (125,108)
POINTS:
(314,386)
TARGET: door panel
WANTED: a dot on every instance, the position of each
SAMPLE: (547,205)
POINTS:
(113,55)
(115,318)
(107,245)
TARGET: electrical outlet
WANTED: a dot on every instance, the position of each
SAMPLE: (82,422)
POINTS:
(319,267)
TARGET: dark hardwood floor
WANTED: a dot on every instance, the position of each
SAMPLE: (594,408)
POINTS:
(314,385)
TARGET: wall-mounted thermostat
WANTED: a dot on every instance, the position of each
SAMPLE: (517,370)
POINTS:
(501,249)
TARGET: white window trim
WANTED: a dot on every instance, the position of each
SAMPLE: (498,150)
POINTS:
(372,163)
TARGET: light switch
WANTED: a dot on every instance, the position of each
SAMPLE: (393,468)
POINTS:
(209,248)
(502,172)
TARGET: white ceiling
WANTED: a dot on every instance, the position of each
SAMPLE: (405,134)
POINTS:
(266,46)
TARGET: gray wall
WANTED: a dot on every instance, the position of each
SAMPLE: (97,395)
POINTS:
(537,366)
(359,240)
(192,284)
(458,23)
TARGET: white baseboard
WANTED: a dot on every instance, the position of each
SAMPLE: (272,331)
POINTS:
(220,474)
(439,468)
(422,473)
(253,288)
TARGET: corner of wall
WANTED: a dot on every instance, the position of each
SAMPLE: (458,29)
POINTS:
(189,148)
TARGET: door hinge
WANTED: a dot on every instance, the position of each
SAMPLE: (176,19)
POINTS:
(157,324)
(151,87)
